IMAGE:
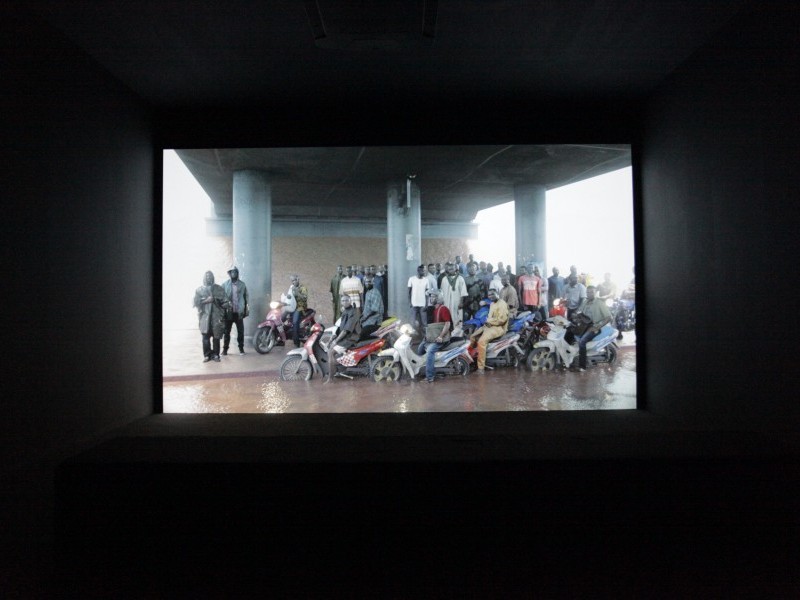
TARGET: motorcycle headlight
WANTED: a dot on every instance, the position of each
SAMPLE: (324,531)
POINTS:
(609,302)
(274,304)
(557,301)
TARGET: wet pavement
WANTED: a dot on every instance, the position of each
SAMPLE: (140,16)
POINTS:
(250,384)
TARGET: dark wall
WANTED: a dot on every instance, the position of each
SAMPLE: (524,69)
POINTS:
(77,172)
(720,191)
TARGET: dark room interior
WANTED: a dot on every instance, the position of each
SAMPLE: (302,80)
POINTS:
(688,496)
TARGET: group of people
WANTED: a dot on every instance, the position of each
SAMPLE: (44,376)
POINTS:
(444,295)
(456,292)
(219,307)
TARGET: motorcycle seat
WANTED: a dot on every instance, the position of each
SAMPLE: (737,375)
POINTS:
(361,343)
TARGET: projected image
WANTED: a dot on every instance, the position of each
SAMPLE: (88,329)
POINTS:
(398,279)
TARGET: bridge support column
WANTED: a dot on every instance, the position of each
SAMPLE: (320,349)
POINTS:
(404,243)
(530,222)
(252,240)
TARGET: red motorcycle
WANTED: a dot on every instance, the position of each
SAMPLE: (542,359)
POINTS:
(301,363)
(277,326)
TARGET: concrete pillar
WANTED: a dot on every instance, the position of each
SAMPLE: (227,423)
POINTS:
(530,223)
(404,244)
(252,240)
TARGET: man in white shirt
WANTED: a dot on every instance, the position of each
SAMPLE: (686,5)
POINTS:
(352,286)
(418,286)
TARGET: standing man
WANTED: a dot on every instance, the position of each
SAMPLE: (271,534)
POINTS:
(544,287)
(336,283)
(300,293)
(418,286)
(431,275)
(439,275)
(598,313)
(353,287)
(555,285)
(575,295)
(460,266)
(495,326)
(476,291)
(528,287)
(236,294)
(496,283)
(210,302)
(509,295)
(512,279)
(372,315)
(607,289)
(454,292)
(441,314)
(382,286)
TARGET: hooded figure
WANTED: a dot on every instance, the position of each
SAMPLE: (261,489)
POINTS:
(210,302)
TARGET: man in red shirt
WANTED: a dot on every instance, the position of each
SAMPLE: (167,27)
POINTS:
(528,287)
(441,314)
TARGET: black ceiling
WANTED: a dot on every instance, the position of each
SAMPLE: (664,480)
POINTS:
(176,53)
(317,60)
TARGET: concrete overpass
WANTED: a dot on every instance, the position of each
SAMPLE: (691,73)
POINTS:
(362,186)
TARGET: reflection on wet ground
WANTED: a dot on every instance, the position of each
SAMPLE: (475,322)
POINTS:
(250,384)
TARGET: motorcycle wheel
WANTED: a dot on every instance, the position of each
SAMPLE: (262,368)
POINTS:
(460,366)
(294,368)
(264,340)
(385,369)
(541,359)
(611,354)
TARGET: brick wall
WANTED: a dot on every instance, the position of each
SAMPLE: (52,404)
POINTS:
(315,261)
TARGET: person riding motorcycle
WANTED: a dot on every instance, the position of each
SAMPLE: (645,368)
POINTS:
(347,334)
(597,313)
(495,326)
(441,327)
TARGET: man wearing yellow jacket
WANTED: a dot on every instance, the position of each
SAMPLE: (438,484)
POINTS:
(495,326)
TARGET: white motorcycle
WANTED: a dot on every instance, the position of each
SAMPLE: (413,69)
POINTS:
(556,351)
(392,363)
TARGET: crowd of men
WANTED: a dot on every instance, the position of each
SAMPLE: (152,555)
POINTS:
(451,292)
(455,291)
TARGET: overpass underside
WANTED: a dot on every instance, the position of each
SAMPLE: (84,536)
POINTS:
(400,194)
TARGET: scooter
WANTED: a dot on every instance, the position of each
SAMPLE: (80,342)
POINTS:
(312,356)
(277,326)
(560,348)
(392,363)
(502,352)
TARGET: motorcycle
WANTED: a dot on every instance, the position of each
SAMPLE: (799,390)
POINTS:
(502,352)
(533,330)
(277,326)
(301,363)
(559,308)
(623,313)
(560,348)
(451,359)
(478,319)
